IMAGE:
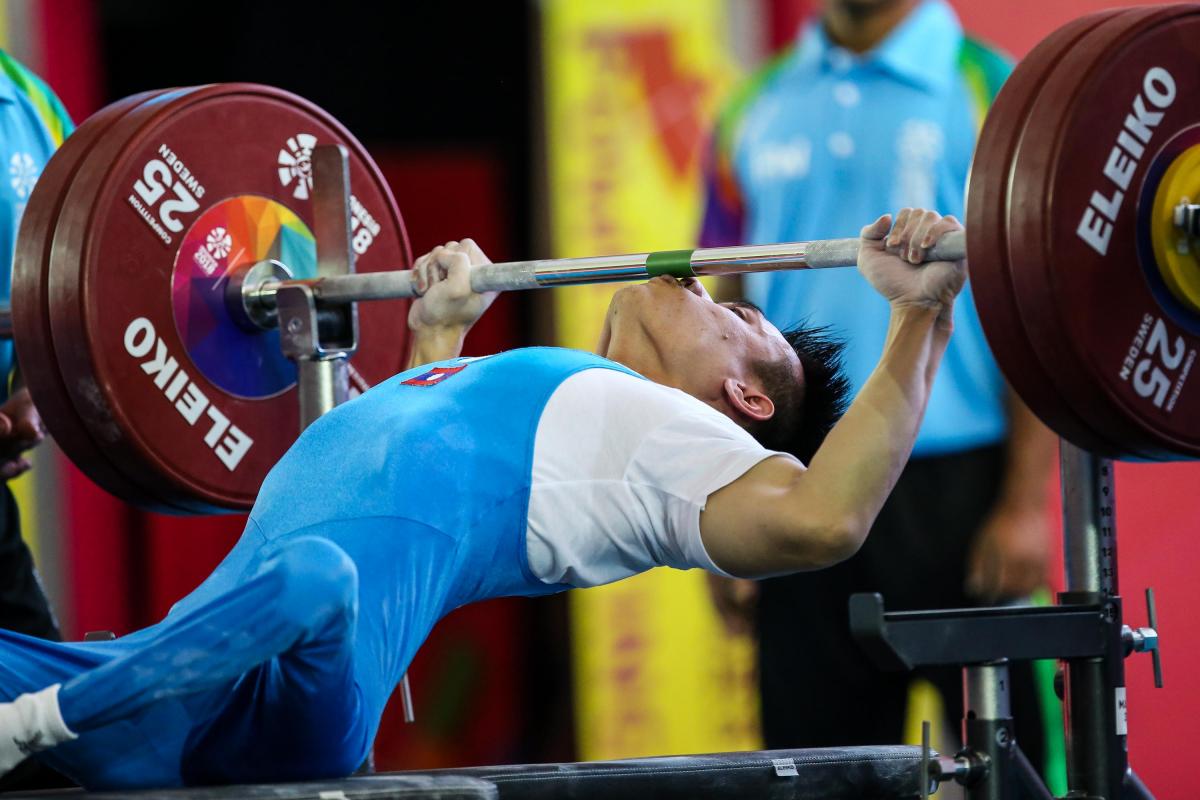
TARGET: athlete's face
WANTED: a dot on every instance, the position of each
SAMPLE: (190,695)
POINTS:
(673,333)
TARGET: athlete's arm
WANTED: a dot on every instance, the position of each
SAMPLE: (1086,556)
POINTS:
(780,517)
(447,308)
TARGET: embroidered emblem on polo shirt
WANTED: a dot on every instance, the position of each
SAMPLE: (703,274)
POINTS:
(23,172)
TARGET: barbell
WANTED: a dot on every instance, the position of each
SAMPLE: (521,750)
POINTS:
(157,238)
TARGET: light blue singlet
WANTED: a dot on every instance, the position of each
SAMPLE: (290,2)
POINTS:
(387,513)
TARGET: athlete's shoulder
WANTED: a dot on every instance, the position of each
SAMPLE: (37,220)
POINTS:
(50,109)
(983,66)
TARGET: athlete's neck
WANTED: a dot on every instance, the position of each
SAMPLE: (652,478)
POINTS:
(860,27)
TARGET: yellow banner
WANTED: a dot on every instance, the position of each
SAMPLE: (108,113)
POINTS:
(631,88)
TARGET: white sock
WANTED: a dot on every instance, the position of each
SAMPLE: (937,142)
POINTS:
(30,724)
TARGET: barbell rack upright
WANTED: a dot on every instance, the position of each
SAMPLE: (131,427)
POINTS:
(1094,698)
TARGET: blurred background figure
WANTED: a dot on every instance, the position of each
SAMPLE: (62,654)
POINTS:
(33,123)
(875,106)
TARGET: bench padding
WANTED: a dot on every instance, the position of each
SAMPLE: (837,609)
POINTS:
(394,786)
(849,773)
(845,773)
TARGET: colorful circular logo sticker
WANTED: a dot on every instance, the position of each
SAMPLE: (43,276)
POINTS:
(233,235)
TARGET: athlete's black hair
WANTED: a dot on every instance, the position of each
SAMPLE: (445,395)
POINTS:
(807,406)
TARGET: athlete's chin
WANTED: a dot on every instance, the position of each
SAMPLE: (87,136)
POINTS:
(631,290)
(653,295)
(628,301)
(655,313)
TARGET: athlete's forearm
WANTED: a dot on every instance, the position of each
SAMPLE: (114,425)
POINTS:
(858,464)
(435,344)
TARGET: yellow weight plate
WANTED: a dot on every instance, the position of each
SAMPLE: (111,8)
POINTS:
(1174,252)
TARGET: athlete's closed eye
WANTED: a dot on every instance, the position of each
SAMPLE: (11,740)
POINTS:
(744,309)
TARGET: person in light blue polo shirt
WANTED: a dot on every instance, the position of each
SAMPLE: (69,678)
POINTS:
(877,105)
(33,123)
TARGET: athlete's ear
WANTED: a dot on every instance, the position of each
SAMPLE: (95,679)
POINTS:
(748,401)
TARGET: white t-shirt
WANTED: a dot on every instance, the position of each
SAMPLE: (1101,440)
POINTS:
(622,468)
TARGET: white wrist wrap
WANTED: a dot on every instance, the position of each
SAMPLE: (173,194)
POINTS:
(41,721)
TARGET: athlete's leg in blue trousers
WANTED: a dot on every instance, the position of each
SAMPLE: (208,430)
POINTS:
(284,641)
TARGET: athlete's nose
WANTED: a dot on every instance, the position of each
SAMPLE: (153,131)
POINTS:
(694,286)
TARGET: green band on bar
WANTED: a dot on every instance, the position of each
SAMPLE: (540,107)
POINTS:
(676,263)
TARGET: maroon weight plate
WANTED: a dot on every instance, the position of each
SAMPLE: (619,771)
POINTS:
(31,322)
(986,229)
(1109,338)
(1043,318)
(172,198)
(1111,437)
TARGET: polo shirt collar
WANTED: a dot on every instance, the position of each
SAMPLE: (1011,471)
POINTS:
(923,48)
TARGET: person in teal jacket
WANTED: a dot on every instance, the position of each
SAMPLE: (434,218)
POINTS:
(33,123)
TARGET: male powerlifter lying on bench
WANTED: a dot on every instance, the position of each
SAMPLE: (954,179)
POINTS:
(523,473)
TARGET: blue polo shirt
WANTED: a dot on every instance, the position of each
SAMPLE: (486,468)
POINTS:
(822,141)
(33,123)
